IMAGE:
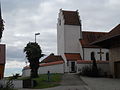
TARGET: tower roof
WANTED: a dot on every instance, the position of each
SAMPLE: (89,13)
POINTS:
(71,17)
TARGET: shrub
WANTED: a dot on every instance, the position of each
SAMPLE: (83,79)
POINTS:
(90,71)
(86,71)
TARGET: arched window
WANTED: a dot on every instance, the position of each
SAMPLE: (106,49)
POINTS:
(107,56)
(92,56)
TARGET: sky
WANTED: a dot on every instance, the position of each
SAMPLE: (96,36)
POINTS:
(24,18)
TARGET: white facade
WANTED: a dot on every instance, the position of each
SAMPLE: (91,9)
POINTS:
(60,35)
(68,37)
(71,39)
(26,72)
(87,53)
(58,68)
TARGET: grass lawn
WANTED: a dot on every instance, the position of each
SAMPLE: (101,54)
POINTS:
(7,89)
(42,80)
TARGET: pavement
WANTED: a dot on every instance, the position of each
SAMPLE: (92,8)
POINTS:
(102,83)
(69,81)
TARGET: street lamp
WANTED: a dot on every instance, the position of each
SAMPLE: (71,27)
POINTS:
(36,35)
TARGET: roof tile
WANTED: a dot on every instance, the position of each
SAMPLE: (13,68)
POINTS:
(89,37)
(71,17)
(72,56)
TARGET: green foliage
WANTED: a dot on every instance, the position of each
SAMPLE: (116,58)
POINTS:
(94,65)
(33,51)
(33,54)
(88,71)
(7,89)
(15,76)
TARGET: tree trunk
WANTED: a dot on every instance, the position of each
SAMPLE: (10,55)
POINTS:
(34,73)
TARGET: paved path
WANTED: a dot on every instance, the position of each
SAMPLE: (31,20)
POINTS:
(72,79)
(69,82)
(102,83)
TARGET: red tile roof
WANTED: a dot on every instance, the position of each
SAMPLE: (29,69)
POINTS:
(90,61)
(89,37)
(110,39)
(71,17)
(52,58)
(72,56)
(51,63)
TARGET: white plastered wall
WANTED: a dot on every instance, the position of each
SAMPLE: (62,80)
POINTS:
(58,68)
(72,36)
(87,53)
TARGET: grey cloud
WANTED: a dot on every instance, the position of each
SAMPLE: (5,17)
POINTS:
(25,17)
(11,5)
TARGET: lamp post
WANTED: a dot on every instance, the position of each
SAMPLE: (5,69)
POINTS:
(36,35)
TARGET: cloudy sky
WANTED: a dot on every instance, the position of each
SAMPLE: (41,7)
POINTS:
(23,18)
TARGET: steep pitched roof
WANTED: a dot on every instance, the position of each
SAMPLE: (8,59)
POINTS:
(52,58)
(89,37)
(71,17)
(113,36)
(72,56)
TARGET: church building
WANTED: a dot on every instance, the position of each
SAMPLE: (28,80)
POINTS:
(74,48)
(73,43)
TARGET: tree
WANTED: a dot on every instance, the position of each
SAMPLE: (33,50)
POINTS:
(33,54)
(94,65)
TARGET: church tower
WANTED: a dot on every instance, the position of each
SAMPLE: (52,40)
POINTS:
(68,36)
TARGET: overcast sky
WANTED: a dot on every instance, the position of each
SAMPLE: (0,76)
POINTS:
(23,18)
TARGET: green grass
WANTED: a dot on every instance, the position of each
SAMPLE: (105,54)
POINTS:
(42,80)
(7,89)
